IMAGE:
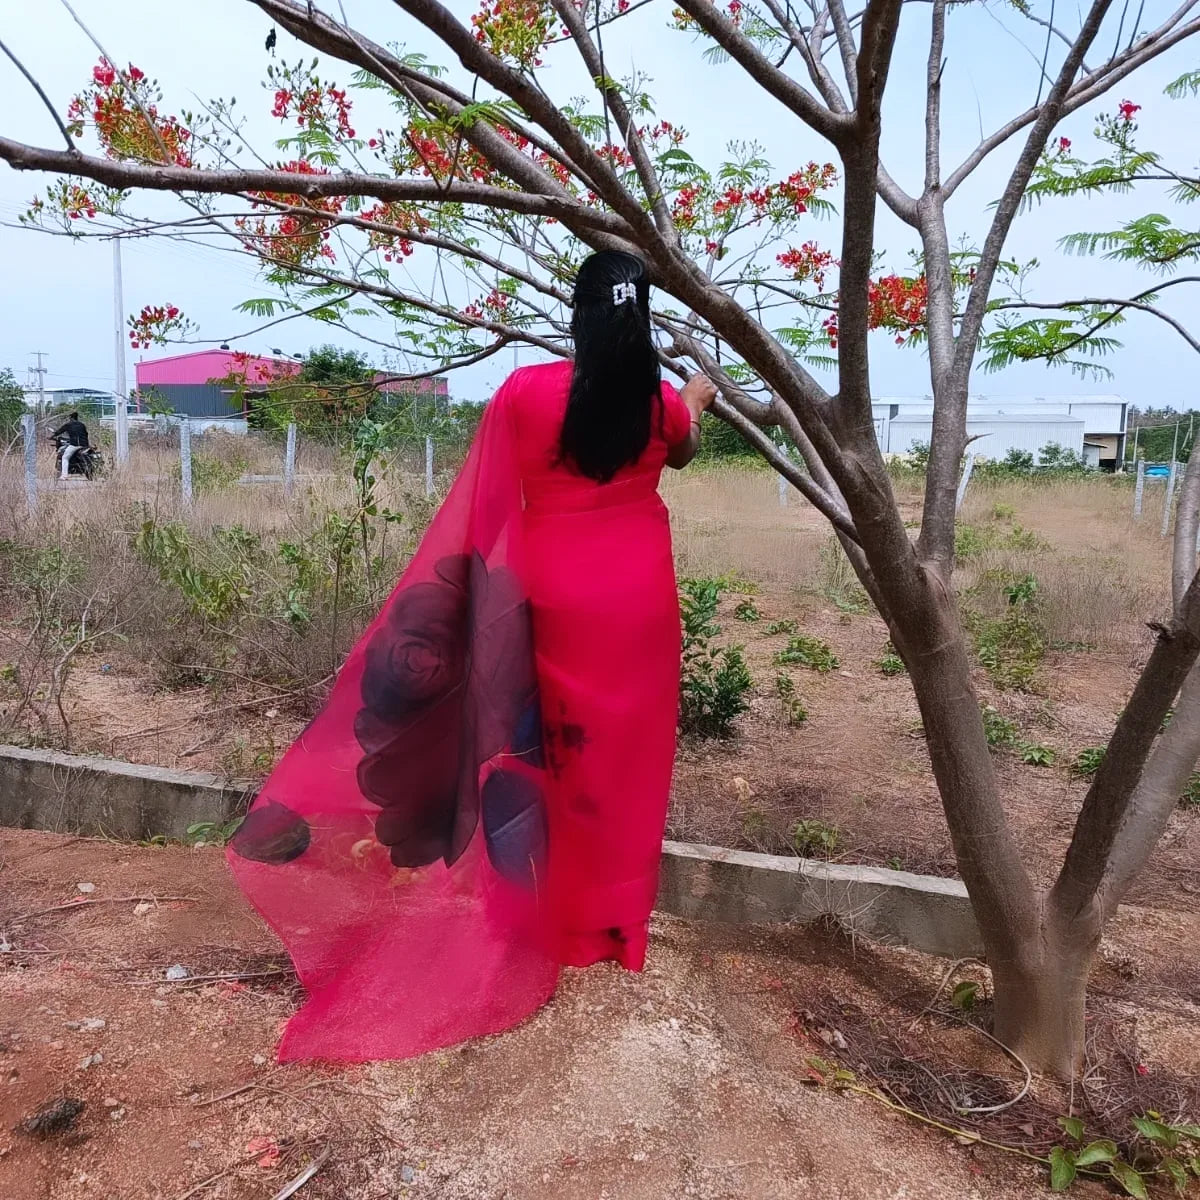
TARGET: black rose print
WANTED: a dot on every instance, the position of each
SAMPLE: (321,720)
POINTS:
(448,684)
(514,827)
(272,833)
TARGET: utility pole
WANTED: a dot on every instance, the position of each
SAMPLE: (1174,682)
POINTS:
(122,390)
(40,372)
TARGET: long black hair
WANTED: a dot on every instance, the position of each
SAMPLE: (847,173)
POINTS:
(616,381)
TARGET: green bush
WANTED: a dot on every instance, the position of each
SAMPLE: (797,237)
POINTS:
(1001,733)
(715,682)
(808,652)
(814,838)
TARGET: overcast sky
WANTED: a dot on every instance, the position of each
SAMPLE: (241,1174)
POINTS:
(57,293)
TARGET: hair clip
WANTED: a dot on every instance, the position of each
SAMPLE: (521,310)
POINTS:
(623,292)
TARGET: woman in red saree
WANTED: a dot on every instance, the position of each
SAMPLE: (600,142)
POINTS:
(482,798)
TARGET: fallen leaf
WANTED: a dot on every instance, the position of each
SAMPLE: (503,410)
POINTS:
(264,1150)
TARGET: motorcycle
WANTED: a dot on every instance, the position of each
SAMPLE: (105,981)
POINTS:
(86,461)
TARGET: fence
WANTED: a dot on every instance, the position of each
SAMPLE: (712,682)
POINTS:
(180,430)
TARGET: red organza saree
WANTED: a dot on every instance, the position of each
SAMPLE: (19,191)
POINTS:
(399,847)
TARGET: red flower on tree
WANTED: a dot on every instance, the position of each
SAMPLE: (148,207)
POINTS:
(1126,110)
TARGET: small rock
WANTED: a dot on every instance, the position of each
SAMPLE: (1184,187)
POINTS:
(260,1060)
(87,1025)
(117,1114)
(5,946)
(158,1004)
(55,1045)
(178,971)
(55,1116)
(91,1060)
(111,1102)
(407,1175)
(142,908)
(86,888)
(195,1144)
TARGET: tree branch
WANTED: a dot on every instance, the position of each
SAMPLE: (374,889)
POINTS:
(950,408)
(37,87)
(782,86)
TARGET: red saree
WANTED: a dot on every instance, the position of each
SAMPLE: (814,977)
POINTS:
(482,797)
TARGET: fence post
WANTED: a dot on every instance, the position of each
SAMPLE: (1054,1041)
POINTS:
(29,433)
(1169,498)
(429,466)
(968,467)
(1139,488)
(185,460)
(289,460)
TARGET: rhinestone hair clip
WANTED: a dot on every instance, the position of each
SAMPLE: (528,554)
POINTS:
(623,292)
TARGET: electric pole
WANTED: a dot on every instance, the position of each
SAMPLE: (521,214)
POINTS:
(122,390)
(40,372)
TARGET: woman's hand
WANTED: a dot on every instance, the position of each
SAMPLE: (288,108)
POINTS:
(699,393)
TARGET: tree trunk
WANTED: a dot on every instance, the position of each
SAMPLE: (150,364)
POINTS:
(1040,997)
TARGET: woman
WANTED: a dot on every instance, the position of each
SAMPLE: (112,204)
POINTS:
(482,798)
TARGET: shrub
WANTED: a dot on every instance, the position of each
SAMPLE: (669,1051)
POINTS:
(808,652)
(1001,733)
(715,682)
(1191,794)
(747,610)
(776,627)
(890,663)
(1037,756)
(815,838)
(1087,762)
(791,707)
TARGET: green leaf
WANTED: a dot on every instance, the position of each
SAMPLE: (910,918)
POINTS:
(1194,1163)
(1179,1177)
(1072,1127)
(1097,1152)
(963,996)
(1188,1131)
(1156,1131)
(1062,1169)
(1131,1180)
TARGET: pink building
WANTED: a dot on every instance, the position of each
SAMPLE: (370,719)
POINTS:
(221,383)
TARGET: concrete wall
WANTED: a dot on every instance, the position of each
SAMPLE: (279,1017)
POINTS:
(66,793)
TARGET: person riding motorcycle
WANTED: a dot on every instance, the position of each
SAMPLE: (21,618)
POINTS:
(75,434)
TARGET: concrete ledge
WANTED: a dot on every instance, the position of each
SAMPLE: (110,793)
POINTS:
(70,793)
(67,793)
(739,887)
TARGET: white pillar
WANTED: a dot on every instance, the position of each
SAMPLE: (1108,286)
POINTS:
(121,426)
(429,466)
(29,431)
(968,467)
(289,460)
(185,460)
(1139,488)
(1169,498)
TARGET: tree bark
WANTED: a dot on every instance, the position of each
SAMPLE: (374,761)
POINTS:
(1041,992)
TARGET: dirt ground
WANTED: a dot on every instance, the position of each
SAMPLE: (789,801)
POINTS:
(694,1079)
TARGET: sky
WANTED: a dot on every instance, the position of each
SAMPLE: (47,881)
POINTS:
(57,295)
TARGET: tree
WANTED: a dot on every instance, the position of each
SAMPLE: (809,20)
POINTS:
(508,185)
(12,405)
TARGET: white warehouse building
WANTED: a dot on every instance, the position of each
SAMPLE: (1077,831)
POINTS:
(1092,427)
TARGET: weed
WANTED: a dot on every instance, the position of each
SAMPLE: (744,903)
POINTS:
(1036,756)
(1003,512)
(1001,733)
(777,627)
(1011,648)
(1191,794)
(715,682)
(890,663)
(1022,591)
(808,652)
(970,542)
(814,838)
(1019,538)
(1087,762)
(211,833)
(838,580)
(964,995)
(1157,1151)
(792,708)
(747,610)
